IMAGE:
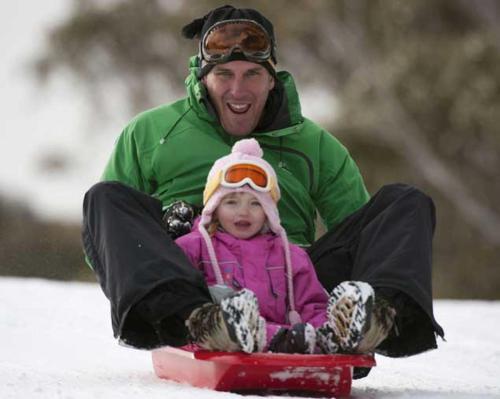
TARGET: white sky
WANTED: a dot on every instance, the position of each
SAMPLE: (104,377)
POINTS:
(36,121)
(56,342)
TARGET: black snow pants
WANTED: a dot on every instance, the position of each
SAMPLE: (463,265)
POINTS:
(388,244)
(152,287)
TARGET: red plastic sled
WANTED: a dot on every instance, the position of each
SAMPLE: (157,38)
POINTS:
(259,372)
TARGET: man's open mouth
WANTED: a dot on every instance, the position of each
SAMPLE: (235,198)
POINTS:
(238,108)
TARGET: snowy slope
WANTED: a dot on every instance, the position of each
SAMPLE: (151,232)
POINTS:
(56,342)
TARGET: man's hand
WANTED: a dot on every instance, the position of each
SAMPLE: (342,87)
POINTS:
(178,218)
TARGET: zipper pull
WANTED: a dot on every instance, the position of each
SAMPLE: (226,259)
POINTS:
(283,165)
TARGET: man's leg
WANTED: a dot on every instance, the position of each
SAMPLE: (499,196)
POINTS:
(150,283)
(388,244)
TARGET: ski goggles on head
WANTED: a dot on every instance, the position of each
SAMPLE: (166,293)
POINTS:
(243,35)
(239,174)
(246,173)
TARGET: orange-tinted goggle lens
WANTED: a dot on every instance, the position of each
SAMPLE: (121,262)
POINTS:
(239,172)
(225,37)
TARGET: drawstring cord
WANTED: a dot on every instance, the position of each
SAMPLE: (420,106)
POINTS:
(211,253)
(293,315)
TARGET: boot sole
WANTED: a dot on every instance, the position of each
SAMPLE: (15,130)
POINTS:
(349,312)
(241,315)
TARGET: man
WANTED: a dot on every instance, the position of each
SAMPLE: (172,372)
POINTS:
(163,157)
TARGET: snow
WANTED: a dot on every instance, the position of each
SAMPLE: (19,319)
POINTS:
(56,342)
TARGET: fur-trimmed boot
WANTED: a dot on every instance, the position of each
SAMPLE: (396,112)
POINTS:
(232,325)
(357,321)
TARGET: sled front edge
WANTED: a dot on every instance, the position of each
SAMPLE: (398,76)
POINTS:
(259,372)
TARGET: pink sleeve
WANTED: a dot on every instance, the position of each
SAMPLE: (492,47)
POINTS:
(191,245)
(310,296)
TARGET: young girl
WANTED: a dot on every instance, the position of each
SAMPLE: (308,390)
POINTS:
(240,247)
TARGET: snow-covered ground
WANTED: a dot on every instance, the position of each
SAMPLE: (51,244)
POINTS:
(56,342)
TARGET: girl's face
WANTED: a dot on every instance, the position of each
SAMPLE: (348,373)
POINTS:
(241,215)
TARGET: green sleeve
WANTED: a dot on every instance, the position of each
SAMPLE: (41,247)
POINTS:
(126,164)
(87,261)
(341,189)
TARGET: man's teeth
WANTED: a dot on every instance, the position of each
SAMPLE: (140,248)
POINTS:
(239,108)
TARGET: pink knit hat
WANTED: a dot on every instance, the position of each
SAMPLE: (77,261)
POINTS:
(246,151)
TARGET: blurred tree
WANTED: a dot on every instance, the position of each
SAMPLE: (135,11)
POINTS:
(418,84)
(33,248)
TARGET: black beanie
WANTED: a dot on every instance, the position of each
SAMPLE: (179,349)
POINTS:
(198,27)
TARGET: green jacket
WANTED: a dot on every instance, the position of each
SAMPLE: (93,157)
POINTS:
(168,151)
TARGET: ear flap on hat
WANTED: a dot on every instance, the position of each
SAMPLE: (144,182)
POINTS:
(193,29)
(211,186)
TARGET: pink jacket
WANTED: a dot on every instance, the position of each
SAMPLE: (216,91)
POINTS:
(259,265)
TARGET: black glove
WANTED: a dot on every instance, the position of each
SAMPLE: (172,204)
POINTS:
(300,338)
(178,218)
(326,340)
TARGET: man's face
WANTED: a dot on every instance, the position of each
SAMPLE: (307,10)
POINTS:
(239,90)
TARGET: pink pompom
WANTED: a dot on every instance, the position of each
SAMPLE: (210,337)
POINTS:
(249,147)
